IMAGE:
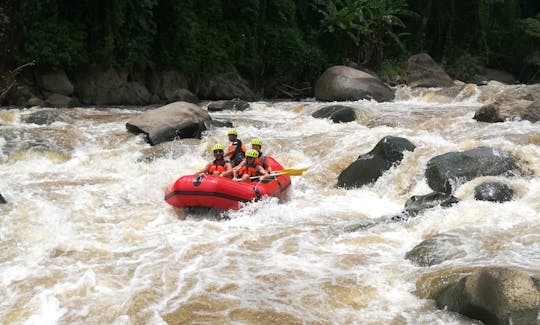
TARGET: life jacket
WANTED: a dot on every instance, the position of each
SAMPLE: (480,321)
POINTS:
(249,170)
(217,167)
(237,155)
(260,160)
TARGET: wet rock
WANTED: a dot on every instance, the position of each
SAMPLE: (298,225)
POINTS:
(336,113)
(175,120)
(58,100)
(494,295)
(2,200)
(235,105)
(437,249)
(45,117)
(171,150)
(418,203)
(494,192)
(218,124)
(54,81)
(224,86)
(166,85)
(423,71)
(444,173)
(342,83)
(512,103)
(370,166)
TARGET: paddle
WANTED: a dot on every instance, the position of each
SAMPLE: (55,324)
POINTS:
(290,172)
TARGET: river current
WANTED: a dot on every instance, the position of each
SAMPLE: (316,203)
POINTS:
(86,237)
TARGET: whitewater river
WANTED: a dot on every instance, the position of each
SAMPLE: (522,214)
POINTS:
(86,237)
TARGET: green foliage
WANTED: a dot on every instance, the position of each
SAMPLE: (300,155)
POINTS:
(393,71)
(464,67)
(50,39)
(368,24)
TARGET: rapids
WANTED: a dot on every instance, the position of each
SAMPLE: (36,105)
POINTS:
(86,237)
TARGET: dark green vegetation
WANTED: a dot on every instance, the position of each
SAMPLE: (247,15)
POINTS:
(280,40)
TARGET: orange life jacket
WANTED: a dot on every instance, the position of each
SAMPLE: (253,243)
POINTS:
(251,171)
(216,167)
(239,147)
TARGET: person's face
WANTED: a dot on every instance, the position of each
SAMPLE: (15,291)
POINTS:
(218,153)
(250,160)
(232,137)
(256,147)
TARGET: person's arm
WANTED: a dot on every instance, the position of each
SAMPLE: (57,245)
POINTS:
(237,168)
(230,152)
(267,166)
(262,172)
(205,169)
(228,170)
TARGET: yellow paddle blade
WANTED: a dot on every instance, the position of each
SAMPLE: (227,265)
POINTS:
(290,171)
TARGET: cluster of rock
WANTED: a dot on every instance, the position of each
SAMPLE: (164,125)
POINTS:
(109,86)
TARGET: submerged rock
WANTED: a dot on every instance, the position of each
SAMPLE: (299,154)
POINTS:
(2,200)
(370,166)
(494,192)
(437,249)
(418,203)
(336,113)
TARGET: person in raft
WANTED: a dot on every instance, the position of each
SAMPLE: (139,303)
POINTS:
(250,168)
(236,150)
(218,167)
(256,144)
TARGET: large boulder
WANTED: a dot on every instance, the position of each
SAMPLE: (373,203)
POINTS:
(224,86)
(166,83)
(494,295)
(54,81)
(100,86)
(58,100)
(343,83)
(336,113)
(444,173)
(423,71)
(370,166)
(175,120)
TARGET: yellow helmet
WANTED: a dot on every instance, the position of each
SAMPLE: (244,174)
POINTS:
(252,153)
(256,141)
(218,147)
(232,131)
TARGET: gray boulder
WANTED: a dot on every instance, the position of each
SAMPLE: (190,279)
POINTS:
(444,173)
(235,104)
(58,100)
(336,113)
(418,203)
(175,120)
(437,249)
(343,83)
(370,166)
(224,86)
(494,192)
(423,71)
(494,295)
(45,116)
(54,81)
(166,83)
(514,103)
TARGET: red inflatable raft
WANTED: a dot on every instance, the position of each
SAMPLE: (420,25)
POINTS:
(223,193)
